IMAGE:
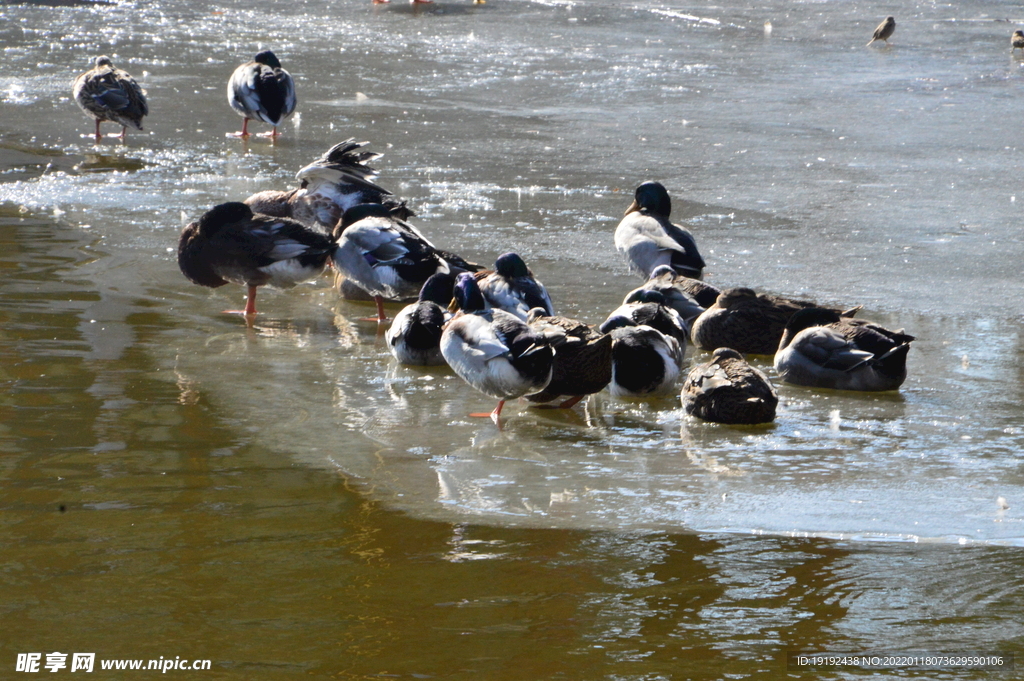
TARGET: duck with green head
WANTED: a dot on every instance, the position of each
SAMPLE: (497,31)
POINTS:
(494,351)
(647,238)
(512,287)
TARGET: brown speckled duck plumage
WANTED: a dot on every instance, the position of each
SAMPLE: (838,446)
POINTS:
(106,93)
(729,390)
(747,321)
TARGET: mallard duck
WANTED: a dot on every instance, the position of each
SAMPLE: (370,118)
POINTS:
(823,350)
(512,287)
(414,337)
(648,239)
(262,90)
(384,255)
(649,309)
(748,322)
(674,297)
(884,31)
(728,390)
(1017,41)
(106,93)
(644,361)
(341,179)
(229,244)
(671,284)
(330,185)
(583,358)
(492,350)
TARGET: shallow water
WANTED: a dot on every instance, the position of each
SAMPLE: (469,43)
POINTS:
(622,539)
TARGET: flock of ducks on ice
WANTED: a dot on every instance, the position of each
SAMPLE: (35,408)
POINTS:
(497,328)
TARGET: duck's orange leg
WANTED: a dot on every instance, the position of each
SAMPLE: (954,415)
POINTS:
(494,415)
(245,130)
(250,302)
(381,317)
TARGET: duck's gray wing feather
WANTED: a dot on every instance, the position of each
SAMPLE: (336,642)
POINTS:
(829,349)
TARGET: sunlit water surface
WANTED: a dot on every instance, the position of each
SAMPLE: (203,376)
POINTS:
(297,460)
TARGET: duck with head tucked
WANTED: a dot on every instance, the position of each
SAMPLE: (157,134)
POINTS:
(229,244)
(512,287)
(645,362)
(494,351)
(384,255)
(727,389)
(262,90)
(820,349)
(648,308)
(106,93)
(583,359)
(414,337)
(647,238)
(685,305)
(748,322)
(681,292)
(341,179)
(648,346)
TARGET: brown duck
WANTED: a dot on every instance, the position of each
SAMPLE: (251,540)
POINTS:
(728,390)
(583,358)
(822,350)
(106,93)
(748,322)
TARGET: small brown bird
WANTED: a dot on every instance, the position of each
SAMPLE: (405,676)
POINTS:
(884,31)
(1017,41)
(106,93)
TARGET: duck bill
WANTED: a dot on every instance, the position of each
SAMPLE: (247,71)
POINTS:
(633,207)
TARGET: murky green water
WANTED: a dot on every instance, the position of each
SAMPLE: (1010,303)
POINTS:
(286,501)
